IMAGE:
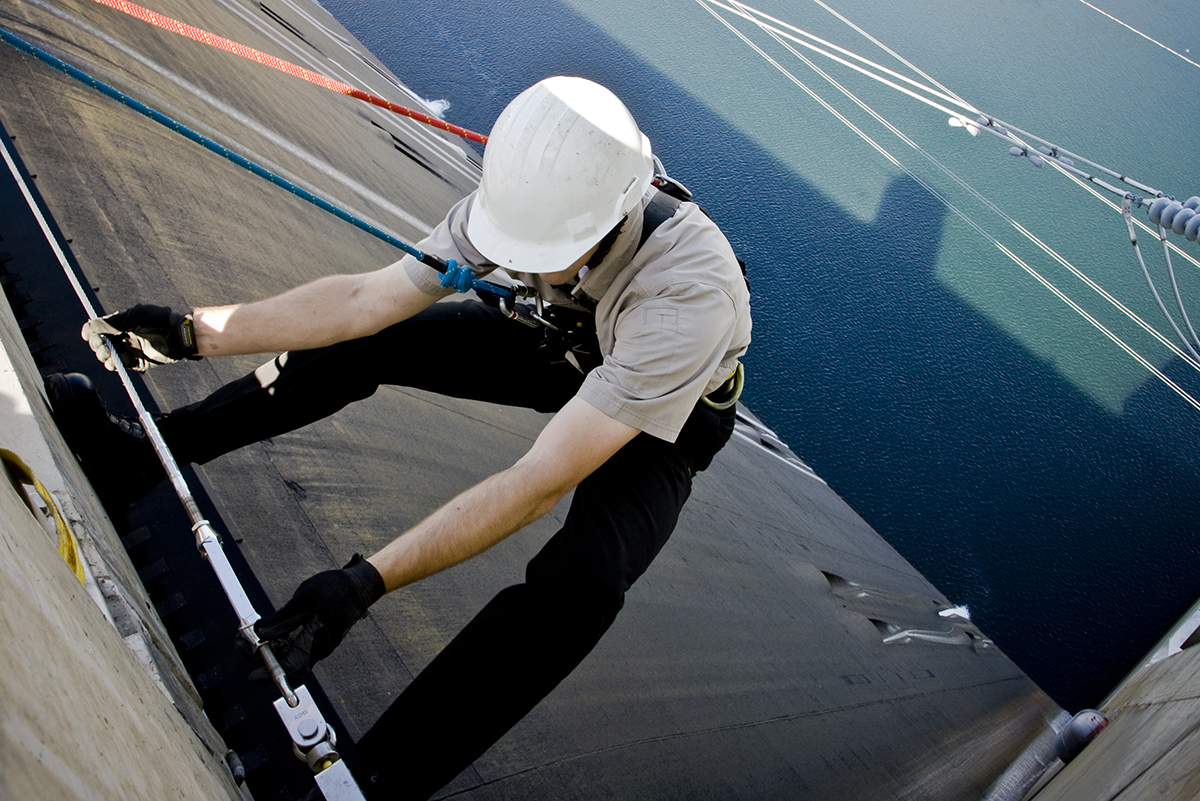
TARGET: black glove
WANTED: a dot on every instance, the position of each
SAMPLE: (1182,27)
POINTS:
(143,337)
(313,623)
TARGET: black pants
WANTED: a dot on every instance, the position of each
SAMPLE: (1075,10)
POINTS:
(531,635)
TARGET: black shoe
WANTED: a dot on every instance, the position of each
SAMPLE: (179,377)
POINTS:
(114,451)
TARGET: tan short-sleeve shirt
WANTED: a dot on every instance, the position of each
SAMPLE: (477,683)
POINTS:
(672,317)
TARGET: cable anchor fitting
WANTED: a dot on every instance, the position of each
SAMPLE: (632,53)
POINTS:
(1052,152)
(1035,160)
(988,122)
(1127,213)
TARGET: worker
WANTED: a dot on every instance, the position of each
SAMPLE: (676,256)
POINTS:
(648,315)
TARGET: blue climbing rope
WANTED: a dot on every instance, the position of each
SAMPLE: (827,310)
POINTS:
(460,279)
(463,279)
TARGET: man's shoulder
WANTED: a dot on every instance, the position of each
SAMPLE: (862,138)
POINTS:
(687,248)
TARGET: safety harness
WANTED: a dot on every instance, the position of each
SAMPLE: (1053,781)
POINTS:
(570,335)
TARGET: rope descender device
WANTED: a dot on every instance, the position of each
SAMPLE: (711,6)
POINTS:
(312,738)
(462,279)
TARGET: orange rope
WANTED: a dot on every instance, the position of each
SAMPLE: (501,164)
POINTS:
(199,35)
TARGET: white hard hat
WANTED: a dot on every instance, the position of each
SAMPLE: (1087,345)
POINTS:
(564,163)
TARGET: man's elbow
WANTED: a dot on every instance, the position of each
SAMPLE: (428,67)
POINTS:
(541,487)
(367,311)
(548,502)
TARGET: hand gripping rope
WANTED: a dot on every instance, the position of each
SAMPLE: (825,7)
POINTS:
(312,738)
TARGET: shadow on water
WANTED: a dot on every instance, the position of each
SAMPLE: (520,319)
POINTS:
(1068,531)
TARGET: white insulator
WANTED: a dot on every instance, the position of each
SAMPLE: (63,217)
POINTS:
(1067,161)
(1001,130)
(1168,214)
(1156,209)
(1036,161)
(1192,202)
(1016,151)
(1181,220)
(1192,229)
(984,122)
(1045,151)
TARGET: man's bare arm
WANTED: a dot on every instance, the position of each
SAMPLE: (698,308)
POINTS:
(578,440)
(324,312)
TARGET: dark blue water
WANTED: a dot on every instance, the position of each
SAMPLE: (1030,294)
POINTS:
(1068,524)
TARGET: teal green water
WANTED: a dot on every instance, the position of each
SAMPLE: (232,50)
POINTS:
(1026,463)
(1062,71)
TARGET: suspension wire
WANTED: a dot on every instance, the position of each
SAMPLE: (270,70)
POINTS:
(986,122)
(986,235)
(1139,33)
(992,125)
(1058,150)
(1129,313)
(883,152)
(1115,206)
(1139,186)
(746,11)
(885,49)
(1162,235)
(892,84)
(1005,131)
(266,59)
(1191,358)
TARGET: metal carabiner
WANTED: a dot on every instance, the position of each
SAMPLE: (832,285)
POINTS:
(540,314)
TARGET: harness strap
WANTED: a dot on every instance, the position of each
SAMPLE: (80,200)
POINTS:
(660,209)
(663,207)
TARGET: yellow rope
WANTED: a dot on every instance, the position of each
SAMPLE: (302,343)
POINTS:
(68,547)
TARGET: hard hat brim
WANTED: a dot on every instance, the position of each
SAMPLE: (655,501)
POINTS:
(519,256)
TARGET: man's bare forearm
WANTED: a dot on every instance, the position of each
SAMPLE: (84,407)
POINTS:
(324,312)
(577,441)
(465,527)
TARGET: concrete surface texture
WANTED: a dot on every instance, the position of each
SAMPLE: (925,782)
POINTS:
(777,648)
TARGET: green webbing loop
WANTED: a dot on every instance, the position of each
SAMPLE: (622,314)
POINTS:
(739,381)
